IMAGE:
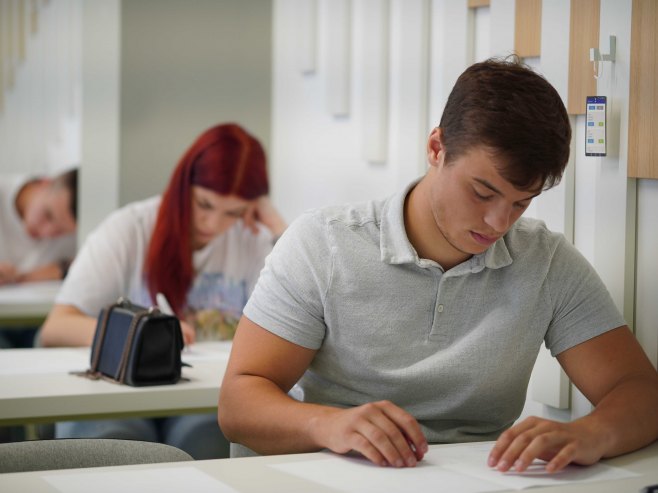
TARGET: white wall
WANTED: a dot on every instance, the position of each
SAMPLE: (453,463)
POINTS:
(41,91)
(186,66)
(156,75)
(317,157)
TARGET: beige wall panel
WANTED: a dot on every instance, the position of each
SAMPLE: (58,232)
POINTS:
(643,125)
(583,35)
(527,28)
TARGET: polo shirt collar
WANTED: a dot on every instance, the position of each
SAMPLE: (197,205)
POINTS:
(395,247)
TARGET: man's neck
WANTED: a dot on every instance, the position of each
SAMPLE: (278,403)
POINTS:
(423,232)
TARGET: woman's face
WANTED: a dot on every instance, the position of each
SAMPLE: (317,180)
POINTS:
(213,214)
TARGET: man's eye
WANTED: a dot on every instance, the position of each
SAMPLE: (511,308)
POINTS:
(482,197)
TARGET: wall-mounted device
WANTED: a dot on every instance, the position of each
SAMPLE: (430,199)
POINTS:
(596,57)
(595,126)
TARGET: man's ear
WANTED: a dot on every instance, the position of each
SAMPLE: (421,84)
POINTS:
(435,148)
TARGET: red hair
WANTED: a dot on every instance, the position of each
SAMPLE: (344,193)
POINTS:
(224,159)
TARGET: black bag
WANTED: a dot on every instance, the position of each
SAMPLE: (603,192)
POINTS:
(136,346)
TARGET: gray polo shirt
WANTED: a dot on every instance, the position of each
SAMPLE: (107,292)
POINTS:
(453,348)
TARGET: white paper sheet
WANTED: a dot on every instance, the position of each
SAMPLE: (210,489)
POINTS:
(160,480)
(458,469)
(353,475)
(471,460)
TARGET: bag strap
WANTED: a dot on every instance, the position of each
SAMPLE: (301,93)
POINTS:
(130,339)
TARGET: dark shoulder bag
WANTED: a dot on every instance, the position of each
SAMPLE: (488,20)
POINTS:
(136,346)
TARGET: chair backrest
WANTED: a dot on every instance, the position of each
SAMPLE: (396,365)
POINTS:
(69,453)
(237,450)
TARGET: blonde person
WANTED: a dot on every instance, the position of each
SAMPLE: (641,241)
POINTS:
(202,244)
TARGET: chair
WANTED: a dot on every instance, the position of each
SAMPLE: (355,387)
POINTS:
(69,453)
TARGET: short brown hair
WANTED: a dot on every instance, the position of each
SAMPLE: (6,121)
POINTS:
(69,181)
(503,105)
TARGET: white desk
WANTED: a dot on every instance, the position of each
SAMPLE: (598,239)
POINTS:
(256,474)
(35,387)
(27,302)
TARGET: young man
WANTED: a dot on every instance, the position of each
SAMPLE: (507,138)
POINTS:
(37,224)
(419,318)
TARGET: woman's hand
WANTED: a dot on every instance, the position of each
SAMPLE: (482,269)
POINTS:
(8,273)
(189,333)
(263,211)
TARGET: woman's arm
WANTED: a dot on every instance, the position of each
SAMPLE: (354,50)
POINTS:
(264,212)
(67,326)
(47,272)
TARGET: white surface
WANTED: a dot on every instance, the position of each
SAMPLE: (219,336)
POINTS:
(32,299)
(43,361)
(458,469)
(151,481)
(272,474)
(29,293)
(35,384)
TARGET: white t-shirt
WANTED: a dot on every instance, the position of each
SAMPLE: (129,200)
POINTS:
(110,265)
(16,246)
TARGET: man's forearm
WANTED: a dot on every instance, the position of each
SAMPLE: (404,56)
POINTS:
(268,421)
(628,415)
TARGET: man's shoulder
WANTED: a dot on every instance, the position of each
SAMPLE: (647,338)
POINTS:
(528,229)
(532,236)
(348,215)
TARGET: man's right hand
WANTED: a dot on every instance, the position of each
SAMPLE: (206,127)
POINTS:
(383,432)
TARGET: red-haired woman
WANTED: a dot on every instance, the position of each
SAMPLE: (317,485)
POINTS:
(200,245)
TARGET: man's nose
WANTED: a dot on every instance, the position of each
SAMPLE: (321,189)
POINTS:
(499,218)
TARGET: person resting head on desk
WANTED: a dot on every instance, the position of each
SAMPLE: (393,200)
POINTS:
(37,226)
(418,319)
(202,244)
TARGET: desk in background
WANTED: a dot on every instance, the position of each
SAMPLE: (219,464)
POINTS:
(284,473)
(26,304)
(36,387)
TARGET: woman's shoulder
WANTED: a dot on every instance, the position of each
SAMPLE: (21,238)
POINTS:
(141,214)
(131,219)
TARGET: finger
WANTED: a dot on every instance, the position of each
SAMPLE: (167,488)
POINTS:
(362,445)
(506,439)
(251,217)
(511,454)
(562,459)
(414,438)
(533,445)
(404,454)
(189,333)
(382,442)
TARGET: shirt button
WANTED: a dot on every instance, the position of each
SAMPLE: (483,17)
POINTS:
(440,308)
